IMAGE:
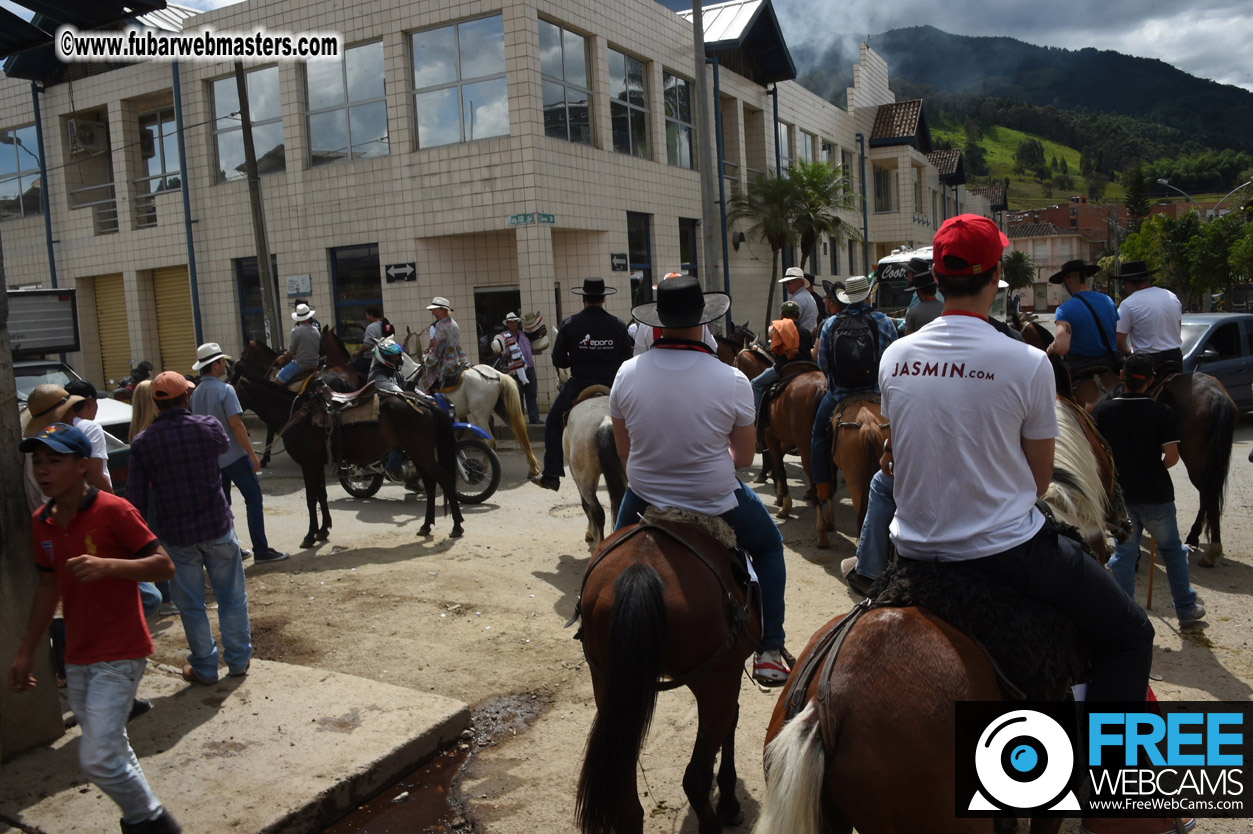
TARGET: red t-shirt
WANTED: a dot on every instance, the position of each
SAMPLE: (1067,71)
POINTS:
(104,619)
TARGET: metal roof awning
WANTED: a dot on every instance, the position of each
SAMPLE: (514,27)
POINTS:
(27,47)
(748,39)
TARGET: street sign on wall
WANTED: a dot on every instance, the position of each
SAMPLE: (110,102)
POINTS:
(618,261)
(402,272)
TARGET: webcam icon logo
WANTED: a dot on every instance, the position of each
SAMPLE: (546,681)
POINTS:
(1024,761)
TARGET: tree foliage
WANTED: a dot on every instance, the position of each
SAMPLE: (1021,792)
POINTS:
(822,189)
(1018,269)
(1192,256)
(1137,199)
(769,207)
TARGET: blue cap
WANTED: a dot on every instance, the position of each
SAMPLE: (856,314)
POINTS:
(61,438)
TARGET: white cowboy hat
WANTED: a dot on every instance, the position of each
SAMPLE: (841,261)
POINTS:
(855,289)
(511,317)
(438,302)
(793,273)
(303,313)
(207,354)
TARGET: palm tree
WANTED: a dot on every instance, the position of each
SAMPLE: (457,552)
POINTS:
(823,189)
(1019,270)
(769,206)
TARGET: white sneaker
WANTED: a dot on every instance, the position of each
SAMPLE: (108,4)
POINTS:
(770,669)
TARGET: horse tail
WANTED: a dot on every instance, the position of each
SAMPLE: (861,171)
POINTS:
(637,634)
(611,465)
(795,769)
(511,404)
(1213,488)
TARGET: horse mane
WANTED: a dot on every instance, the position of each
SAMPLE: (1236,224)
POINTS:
(715,527)
(1076,492)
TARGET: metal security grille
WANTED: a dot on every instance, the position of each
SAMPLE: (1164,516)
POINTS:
(176,329)
(115,337)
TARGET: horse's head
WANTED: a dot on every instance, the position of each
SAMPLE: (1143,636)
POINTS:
(742,335)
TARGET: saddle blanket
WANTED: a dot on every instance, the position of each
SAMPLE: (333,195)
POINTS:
(366,411)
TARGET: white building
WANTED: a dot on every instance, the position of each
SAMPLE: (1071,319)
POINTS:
(505,150)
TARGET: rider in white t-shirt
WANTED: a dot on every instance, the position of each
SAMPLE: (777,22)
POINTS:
(1150,319)
(973,430)
(683,422)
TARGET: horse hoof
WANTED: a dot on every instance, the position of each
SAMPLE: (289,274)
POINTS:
(306,543)
(322,535)
(762,478)
(811,495)
(457,532)
(1211,555)
(424,530)
(782,513)
(731,815)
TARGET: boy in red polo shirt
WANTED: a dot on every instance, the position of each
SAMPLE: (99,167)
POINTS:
(92,549)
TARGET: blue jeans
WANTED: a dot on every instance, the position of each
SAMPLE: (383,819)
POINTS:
(872,546)
(820,443)
(761,384)
(288,372)
(755,531)
(241,475)
(225,565)
(101,695)
(1159,520)
(150,597)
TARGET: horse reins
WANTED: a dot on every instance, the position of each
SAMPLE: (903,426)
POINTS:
(737,615)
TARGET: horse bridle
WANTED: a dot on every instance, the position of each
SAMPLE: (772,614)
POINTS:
(737,615)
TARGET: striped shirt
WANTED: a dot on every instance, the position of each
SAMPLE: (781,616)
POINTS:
(177,458)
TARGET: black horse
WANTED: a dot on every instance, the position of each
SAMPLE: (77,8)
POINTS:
(425,434)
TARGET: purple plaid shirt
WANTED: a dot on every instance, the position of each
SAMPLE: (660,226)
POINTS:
(177,458)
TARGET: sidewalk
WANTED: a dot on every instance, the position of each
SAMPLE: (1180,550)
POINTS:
(286,749)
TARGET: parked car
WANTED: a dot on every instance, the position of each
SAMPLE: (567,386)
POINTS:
(119,462)
(113,416)
(1221,345)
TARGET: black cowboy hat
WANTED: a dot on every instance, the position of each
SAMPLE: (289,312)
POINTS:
(1134,271)
(593,286)
(1086,270)
(919,272)
(830,288)
(681,303)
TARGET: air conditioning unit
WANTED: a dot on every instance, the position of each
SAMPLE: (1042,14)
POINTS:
(87,136)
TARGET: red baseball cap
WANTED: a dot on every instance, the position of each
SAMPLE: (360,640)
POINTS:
(974,239)
(170,385)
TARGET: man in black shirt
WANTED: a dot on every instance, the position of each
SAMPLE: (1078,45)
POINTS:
(592,344)
(1145,441)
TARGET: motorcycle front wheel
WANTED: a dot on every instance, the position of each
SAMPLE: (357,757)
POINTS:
(478,471)
(360,481)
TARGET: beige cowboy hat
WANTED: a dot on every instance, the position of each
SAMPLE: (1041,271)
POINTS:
(303,313)
(855,289)
(207,354)
(439,302)
(47,404)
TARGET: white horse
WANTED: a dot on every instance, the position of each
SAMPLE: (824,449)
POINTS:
(590,450)
(1076,493)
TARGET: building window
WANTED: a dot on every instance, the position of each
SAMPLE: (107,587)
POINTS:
(347,107)
(835,257)
(356,283)
(251,312)
(785,144)
(679,129)
(804,147)
(158,140)
(640,255)
(628,105)
(265,110)
(459,89)
(20,184)
(885,198)
(567,87)
(852,257)
(689,246)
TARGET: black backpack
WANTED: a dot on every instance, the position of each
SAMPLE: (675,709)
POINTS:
(854,359)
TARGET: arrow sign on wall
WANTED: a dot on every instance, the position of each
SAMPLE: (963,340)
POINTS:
(402,272)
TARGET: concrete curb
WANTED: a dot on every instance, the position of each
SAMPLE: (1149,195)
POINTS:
(285,749)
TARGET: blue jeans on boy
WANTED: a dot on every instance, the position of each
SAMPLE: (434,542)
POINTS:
(149,597)
(872,545)
(241,475)
(1160,521)
(761,384)
(755,531)
(102,695)
(225,565)
(288,372)
(820,442)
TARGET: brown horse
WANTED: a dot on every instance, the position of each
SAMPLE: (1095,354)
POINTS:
(660,601)
(1032,333)
(739,338)
(1090,385)
(791,424)
(890,707)
(860,434)
(425,435)
(751,361)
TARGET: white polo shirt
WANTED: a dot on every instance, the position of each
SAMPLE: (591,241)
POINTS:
(1152,319)
(961,397)
(679,407)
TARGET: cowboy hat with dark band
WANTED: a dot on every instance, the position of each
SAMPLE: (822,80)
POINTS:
(593,286)
(1134,271)
(1086,270)
(681,303)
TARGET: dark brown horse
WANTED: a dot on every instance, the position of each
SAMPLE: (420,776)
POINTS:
(425,435)
(739,338)
(751,361)
(790,424)
(1032,333)
(892,691)
(660,601)
(860,434)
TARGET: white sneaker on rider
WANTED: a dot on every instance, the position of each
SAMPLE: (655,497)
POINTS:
(770,668)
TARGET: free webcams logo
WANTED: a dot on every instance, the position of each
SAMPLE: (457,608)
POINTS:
(1172,759)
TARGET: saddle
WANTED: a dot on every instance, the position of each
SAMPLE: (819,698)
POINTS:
(790,372)
(452,383)
(1092,372)
(589,393)
(851,399)
(346,409)
(299,383)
